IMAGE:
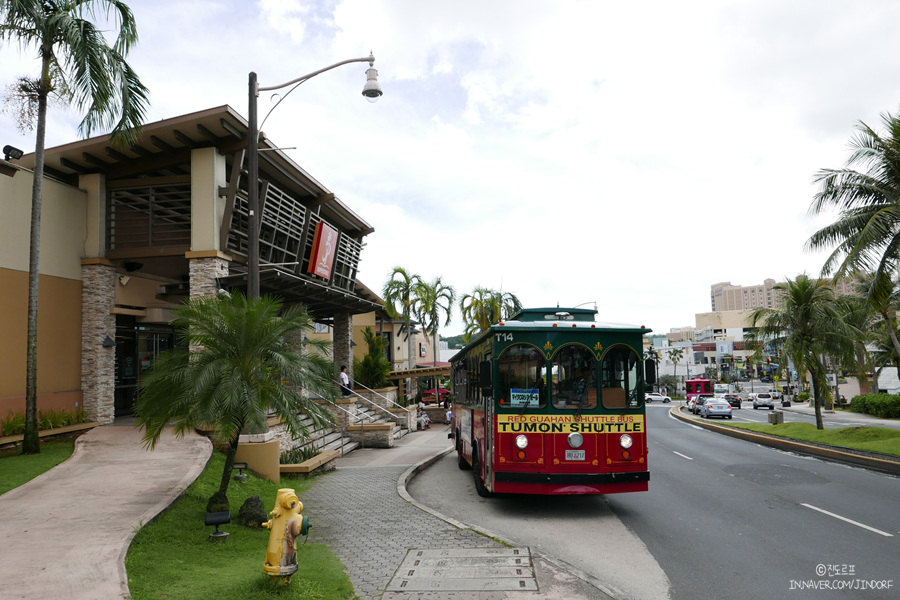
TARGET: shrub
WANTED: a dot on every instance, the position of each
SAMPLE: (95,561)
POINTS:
(298,455)
(14,423)
(884,406)
(373,369)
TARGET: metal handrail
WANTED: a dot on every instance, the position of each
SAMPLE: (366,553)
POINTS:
(358,384)
(392,416)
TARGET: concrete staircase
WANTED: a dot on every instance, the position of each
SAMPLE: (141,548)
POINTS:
(332,439)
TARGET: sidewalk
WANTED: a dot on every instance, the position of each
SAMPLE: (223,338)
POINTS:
(364,514)
(66,532)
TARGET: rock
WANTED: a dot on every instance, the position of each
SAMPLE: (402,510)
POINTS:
(252,514)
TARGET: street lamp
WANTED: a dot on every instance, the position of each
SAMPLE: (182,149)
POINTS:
(372,91)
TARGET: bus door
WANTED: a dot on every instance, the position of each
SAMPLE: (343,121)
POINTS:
(486,376)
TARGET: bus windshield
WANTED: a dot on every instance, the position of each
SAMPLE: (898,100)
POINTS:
(620,377)
(523,377)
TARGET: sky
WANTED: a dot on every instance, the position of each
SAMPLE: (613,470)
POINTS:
(623,154)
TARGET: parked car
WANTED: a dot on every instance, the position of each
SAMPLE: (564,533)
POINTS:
(656,397)
(715,407)
(733,400)
(764,399)
(700,401)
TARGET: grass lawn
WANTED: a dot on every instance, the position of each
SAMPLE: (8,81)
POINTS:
(869,439)
(172,557)
(16,468)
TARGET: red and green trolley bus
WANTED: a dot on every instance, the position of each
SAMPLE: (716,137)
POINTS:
(552,402)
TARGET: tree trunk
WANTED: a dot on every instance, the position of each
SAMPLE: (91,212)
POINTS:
(31,443)
(229,464)
(818,396)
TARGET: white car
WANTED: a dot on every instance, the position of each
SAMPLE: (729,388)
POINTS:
(656,397)
(763,399)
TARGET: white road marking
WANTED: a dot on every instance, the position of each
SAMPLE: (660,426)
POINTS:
(852,522)
(682,455)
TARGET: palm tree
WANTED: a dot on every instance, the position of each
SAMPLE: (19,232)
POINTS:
(399,298)
(432,301)
(247,359)
(79,67)
(807,326)
(867,232)
(675,355)
(484,307)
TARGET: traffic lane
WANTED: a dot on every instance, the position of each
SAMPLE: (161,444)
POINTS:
(863,490)
(721,506)
(580,530)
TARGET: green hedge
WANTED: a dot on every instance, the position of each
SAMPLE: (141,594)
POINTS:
(885,406)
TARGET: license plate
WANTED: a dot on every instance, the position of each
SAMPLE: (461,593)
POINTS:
(574,454)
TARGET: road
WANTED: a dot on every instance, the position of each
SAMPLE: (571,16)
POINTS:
(724,518)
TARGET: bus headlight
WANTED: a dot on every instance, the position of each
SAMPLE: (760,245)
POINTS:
(576,440)
(625,441)
(521,442)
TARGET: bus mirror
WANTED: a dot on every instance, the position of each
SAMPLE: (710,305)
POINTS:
(649,371)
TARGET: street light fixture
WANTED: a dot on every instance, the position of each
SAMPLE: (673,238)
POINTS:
(372,91)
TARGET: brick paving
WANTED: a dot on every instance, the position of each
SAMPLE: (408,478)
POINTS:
(358,513)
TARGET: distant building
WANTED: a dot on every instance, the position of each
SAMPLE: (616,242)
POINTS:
(724,296)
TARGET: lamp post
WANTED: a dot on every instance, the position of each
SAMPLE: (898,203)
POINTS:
(372,91)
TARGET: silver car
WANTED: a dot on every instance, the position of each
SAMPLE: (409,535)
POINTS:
(764,399)
(717,407)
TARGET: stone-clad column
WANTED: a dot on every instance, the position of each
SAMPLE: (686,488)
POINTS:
(205,267)
(98,297)
(343,335)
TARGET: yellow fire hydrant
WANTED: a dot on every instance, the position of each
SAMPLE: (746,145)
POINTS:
(286,524)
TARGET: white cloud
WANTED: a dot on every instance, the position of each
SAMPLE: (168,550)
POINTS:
(570,151)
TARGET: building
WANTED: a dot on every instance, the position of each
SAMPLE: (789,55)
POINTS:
(128,234)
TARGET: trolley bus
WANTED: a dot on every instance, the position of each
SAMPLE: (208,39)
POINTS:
(697,385)
(552,402)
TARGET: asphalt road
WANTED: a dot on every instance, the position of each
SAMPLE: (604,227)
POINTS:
(724,518)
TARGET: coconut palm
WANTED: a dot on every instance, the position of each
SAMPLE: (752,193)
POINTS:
(399,298)
(866,235)
(483,307)
(675,355)
(807,326)
(78,66)
(247,359)
(434,300)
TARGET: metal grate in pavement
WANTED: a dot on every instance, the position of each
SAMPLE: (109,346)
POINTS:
(465,569)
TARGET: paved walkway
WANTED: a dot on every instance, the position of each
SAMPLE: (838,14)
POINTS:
(66,532)
(364,514)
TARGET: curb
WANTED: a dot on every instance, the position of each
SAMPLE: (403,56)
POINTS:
(832,453)
(414,470)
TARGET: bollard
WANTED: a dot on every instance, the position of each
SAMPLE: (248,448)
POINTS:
(286,524)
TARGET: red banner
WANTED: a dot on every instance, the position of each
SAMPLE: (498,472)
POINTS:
(323,251)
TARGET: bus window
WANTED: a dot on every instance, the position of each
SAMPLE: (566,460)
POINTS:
(574,378)
(522,372)
(620,377)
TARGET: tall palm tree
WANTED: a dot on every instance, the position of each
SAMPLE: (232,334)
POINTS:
(807,326)
(866,235)
(434,300)
(675,355)
(78,67)
(399,298)
(483,307)
(248,358)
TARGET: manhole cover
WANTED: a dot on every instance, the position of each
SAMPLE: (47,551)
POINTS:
(465,570)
